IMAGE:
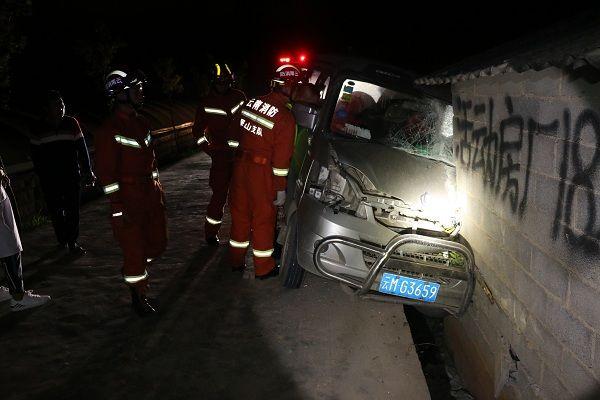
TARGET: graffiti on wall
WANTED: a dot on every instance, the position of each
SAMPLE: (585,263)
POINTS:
(502,151)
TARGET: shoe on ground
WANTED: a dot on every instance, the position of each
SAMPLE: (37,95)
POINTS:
(142,305)
(29,300)
(212,241)
(76,249)
(4,294)
(271,274)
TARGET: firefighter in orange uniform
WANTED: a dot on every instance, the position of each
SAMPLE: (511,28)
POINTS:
(264,137)
(127,169)
(213,118)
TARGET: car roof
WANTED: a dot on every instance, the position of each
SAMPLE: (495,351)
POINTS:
(379,71)
(336,62)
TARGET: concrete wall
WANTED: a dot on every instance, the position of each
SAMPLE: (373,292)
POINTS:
(527,150)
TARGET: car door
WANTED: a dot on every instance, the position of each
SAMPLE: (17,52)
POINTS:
(320,80)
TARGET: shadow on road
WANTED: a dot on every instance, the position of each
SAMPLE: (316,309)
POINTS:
(207,343)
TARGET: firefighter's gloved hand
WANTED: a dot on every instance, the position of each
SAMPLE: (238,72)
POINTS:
(280,200)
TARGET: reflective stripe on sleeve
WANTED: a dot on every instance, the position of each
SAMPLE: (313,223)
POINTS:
(118,214)
(113,187)
(238,245)
(280,172)
(237,107)
(257,118)
(210,110)
(233,143)
(135,278)
(154,174)
(262,253)
(212,221)
(203,139)
(125,141)
(148,140)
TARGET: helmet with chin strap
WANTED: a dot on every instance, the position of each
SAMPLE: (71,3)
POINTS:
(117,81)
(220,73)
(286,75)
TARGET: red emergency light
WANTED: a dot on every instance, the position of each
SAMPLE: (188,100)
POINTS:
(298,59)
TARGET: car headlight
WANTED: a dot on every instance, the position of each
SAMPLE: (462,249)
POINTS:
(446,211)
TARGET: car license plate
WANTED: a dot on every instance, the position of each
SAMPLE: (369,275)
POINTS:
(408,287)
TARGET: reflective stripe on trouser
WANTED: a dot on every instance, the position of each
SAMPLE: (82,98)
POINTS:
(220,177)
(142,235)
(133,279)
(252,215)
(262,253)
(213,221)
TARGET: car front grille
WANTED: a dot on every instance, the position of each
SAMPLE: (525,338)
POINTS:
(414,258)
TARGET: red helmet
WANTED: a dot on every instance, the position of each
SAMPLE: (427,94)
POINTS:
(286,74)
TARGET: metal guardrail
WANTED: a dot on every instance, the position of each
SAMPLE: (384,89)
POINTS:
(171,141)
(179,127)
(383,255)
(157,133)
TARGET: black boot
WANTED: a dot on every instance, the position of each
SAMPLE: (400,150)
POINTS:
(141,304)
(271,274)
(212,241)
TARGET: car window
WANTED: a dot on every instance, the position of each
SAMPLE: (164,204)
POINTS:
(415,123)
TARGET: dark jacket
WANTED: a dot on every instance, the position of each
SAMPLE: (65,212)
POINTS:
(59,154)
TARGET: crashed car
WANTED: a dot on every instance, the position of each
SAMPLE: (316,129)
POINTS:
(372,199)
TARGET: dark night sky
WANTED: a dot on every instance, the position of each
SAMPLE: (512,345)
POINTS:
(423,38)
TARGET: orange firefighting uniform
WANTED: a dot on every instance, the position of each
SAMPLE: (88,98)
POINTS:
(264,137)
(126,167)
(213,118)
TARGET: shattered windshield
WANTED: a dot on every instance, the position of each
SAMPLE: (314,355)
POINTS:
(417,124)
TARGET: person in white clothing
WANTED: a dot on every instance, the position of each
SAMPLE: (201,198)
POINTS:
(10,255)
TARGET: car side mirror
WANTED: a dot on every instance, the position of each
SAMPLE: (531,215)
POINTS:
(306,116)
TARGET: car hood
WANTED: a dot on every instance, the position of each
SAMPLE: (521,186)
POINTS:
(397,172)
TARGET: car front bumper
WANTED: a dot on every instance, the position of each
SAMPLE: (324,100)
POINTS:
(358,251)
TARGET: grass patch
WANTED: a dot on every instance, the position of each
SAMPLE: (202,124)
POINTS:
(35,222)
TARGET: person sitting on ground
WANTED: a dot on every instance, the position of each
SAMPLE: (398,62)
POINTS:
(10,256)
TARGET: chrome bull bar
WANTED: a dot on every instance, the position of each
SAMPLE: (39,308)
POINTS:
(383,255)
